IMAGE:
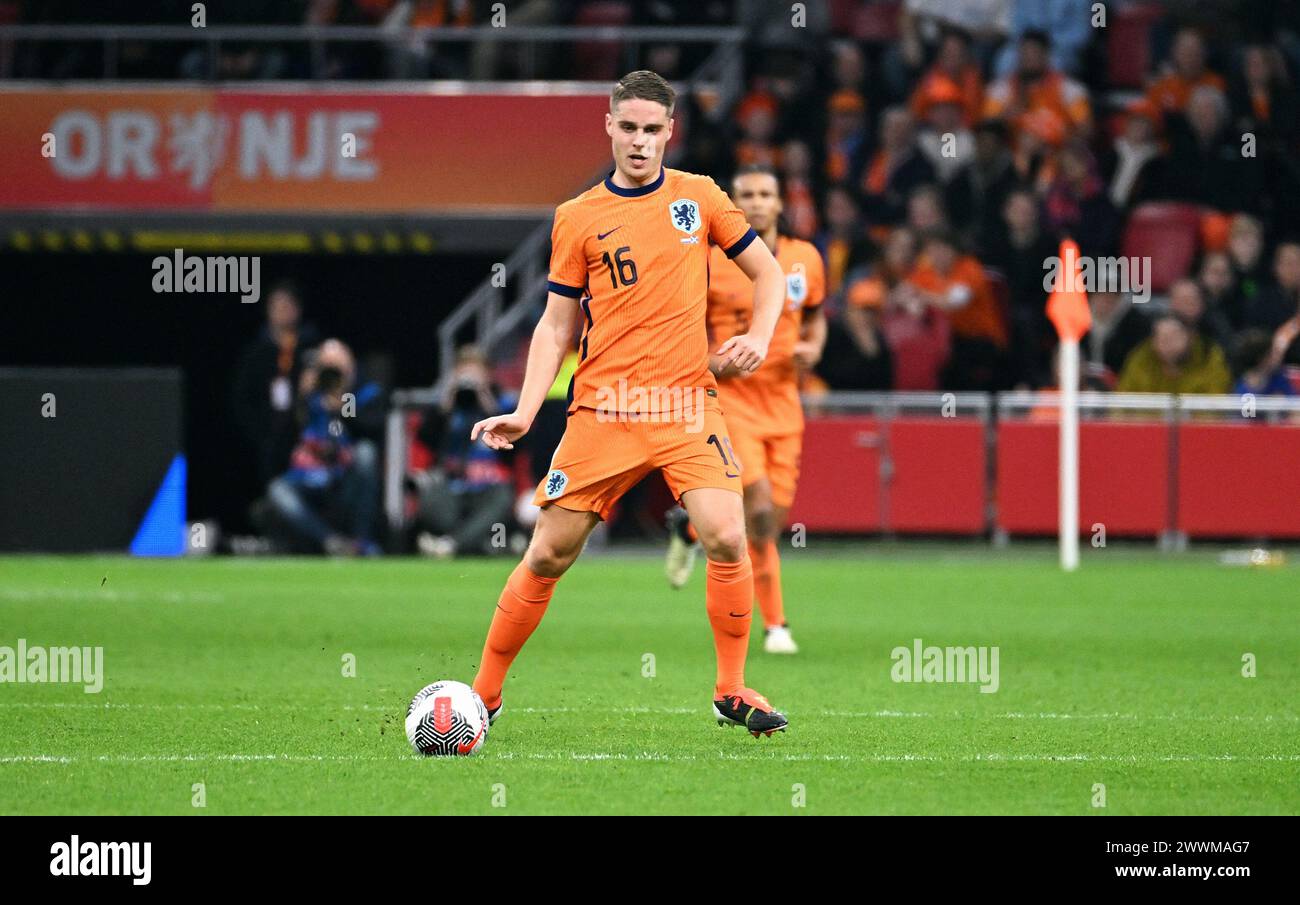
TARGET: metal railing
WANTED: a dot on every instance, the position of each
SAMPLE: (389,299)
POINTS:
(317,38)
(988,408)
(523,276)
(897,401)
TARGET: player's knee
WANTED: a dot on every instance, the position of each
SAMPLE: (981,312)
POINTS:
(761,522)
(549,559)
(725,543)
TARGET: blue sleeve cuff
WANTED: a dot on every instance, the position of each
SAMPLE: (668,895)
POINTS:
(566,291)
(742,243)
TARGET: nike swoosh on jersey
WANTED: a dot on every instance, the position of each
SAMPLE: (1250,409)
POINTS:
(600,236)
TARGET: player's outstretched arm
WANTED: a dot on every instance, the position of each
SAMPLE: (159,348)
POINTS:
(747,350)
(551,339)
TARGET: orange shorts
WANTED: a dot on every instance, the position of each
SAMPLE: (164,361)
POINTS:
(603,456)
(775,457)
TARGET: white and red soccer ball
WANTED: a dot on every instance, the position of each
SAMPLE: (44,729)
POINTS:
(447,719)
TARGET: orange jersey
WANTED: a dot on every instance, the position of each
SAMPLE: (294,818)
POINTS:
(1173,91)
(641,258)
(769,398)
(978,317)
(1055,106)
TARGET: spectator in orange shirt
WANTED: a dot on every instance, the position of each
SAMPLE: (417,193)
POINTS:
(1184,73)
(757,118)
(954,65)
(409,59)
(955,284)
(846,136)
(861,350)
(800,195)
(1039,98)
(868,295)
(916,335)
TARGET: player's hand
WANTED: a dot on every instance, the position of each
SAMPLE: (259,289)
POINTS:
(501,431)
(806,354)
(745,351)
(722,368)
(1284,336)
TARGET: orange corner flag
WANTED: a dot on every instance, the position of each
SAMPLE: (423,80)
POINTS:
(1067,306)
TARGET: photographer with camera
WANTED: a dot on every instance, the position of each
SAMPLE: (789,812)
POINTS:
(333,476)
(469,489)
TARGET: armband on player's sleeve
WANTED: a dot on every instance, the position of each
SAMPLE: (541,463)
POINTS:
(741,244)
(561,289)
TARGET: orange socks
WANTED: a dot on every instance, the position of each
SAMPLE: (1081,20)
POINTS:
(729,597)
(520,609)
(767,582)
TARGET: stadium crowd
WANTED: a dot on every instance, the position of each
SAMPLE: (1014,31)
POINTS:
(938,172)
(935,151)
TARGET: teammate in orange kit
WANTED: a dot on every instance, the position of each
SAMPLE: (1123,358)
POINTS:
(763,413)
(635,250)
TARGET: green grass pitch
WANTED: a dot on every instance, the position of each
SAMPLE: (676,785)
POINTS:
(229,673)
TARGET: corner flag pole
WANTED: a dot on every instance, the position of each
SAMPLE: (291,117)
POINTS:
(1067,308)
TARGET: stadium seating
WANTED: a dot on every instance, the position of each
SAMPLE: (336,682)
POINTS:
(877,23)
(600,59)
(1128,44)
(1168,233)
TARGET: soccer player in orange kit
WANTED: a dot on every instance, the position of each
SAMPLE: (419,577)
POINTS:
(763,412)
(635,250)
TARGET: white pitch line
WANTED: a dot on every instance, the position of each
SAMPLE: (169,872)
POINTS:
(599,757)
(669,711)
(95,595)
(908,758)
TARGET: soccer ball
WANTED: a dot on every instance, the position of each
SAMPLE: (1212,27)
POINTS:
(447,719)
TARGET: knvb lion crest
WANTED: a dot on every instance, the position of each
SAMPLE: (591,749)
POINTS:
(685,214)
(796,287)
(556,481)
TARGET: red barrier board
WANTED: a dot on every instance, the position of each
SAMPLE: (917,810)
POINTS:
(939,477)
(839,483)
(1233,480)
(1123,477)
(1239,480)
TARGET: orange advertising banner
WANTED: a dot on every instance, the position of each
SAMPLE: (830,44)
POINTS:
(284,151)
